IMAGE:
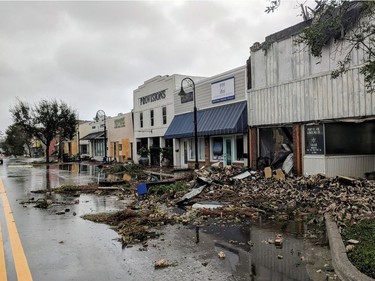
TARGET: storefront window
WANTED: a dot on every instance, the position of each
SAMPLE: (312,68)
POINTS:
(201,154)
(99,148)
(84,149)
(239,148)
(217,148)
(234,148)
(141,120)
(350,138)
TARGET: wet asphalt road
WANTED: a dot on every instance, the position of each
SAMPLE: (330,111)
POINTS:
(66,247)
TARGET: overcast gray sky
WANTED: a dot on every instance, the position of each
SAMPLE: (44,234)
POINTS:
(92,55)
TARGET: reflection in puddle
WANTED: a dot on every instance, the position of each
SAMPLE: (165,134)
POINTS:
(85,203)
(251,254)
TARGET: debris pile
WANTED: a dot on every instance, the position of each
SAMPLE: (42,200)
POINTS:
(133,226)
(348,199)
(232,195)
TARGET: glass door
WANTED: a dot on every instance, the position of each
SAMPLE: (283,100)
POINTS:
(183,153)
(227,157)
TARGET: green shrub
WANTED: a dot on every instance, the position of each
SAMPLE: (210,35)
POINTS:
(174,187)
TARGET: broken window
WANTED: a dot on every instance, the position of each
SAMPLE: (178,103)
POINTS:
(275,145)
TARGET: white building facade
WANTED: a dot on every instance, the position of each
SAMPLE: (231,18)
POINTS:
(153,111)
(91,143)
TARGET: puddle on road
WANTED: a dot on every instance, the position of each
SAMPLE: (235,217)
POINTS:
(248,255)
(85,204)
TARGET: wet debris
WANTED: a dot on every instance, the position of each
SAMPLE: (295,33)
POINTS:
(163,263)
(236,195)
(44,203)
(279,241)
(209,205)
(221,255)
(195,192)
(132,226)
(348,199)
(349,248)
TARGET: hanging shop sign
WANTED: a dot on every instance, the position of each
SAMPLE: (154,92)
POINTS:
(222,90)
(120,122)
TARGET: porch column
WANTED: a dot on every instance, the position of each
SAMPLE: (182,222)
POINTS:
(253,147)
(297,149)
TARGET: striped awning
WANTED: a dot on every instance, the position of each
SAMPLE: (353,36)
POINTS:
(221,120)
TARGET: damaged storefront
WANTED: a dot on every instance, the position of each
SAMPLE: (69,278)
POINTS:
(276,148)
(328,124)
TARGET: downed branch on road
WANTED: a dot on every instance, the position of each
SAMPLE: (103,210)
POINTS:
(133,226)
(69,189)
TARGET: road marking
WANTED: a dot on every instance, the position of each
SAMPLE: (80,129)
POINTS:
(20,261)
(3,271)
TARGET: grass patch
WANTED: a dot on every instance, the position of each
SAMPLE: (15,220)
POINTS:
(363,255)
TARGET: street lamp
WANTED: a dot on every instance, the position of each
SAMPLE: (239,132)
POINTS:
(191,84)
(99,115)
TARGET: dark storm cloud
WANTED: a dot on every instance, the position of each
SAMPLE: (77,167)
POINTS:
(92,55)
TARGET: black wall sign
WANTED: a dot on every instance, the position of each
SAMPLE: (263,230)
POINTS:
(314,139)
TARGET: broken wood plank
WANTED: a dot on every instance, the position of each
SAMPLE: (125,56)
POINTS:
(268,172)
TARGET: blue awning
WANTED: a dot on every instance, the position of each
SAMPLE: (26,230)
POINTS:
(221,120)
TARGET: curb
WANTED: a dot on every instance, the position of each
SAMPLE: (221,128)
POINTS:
(344,269)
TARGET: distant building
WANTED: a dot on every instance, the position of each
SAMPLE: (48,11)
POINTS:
(112,133)
(120,137)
